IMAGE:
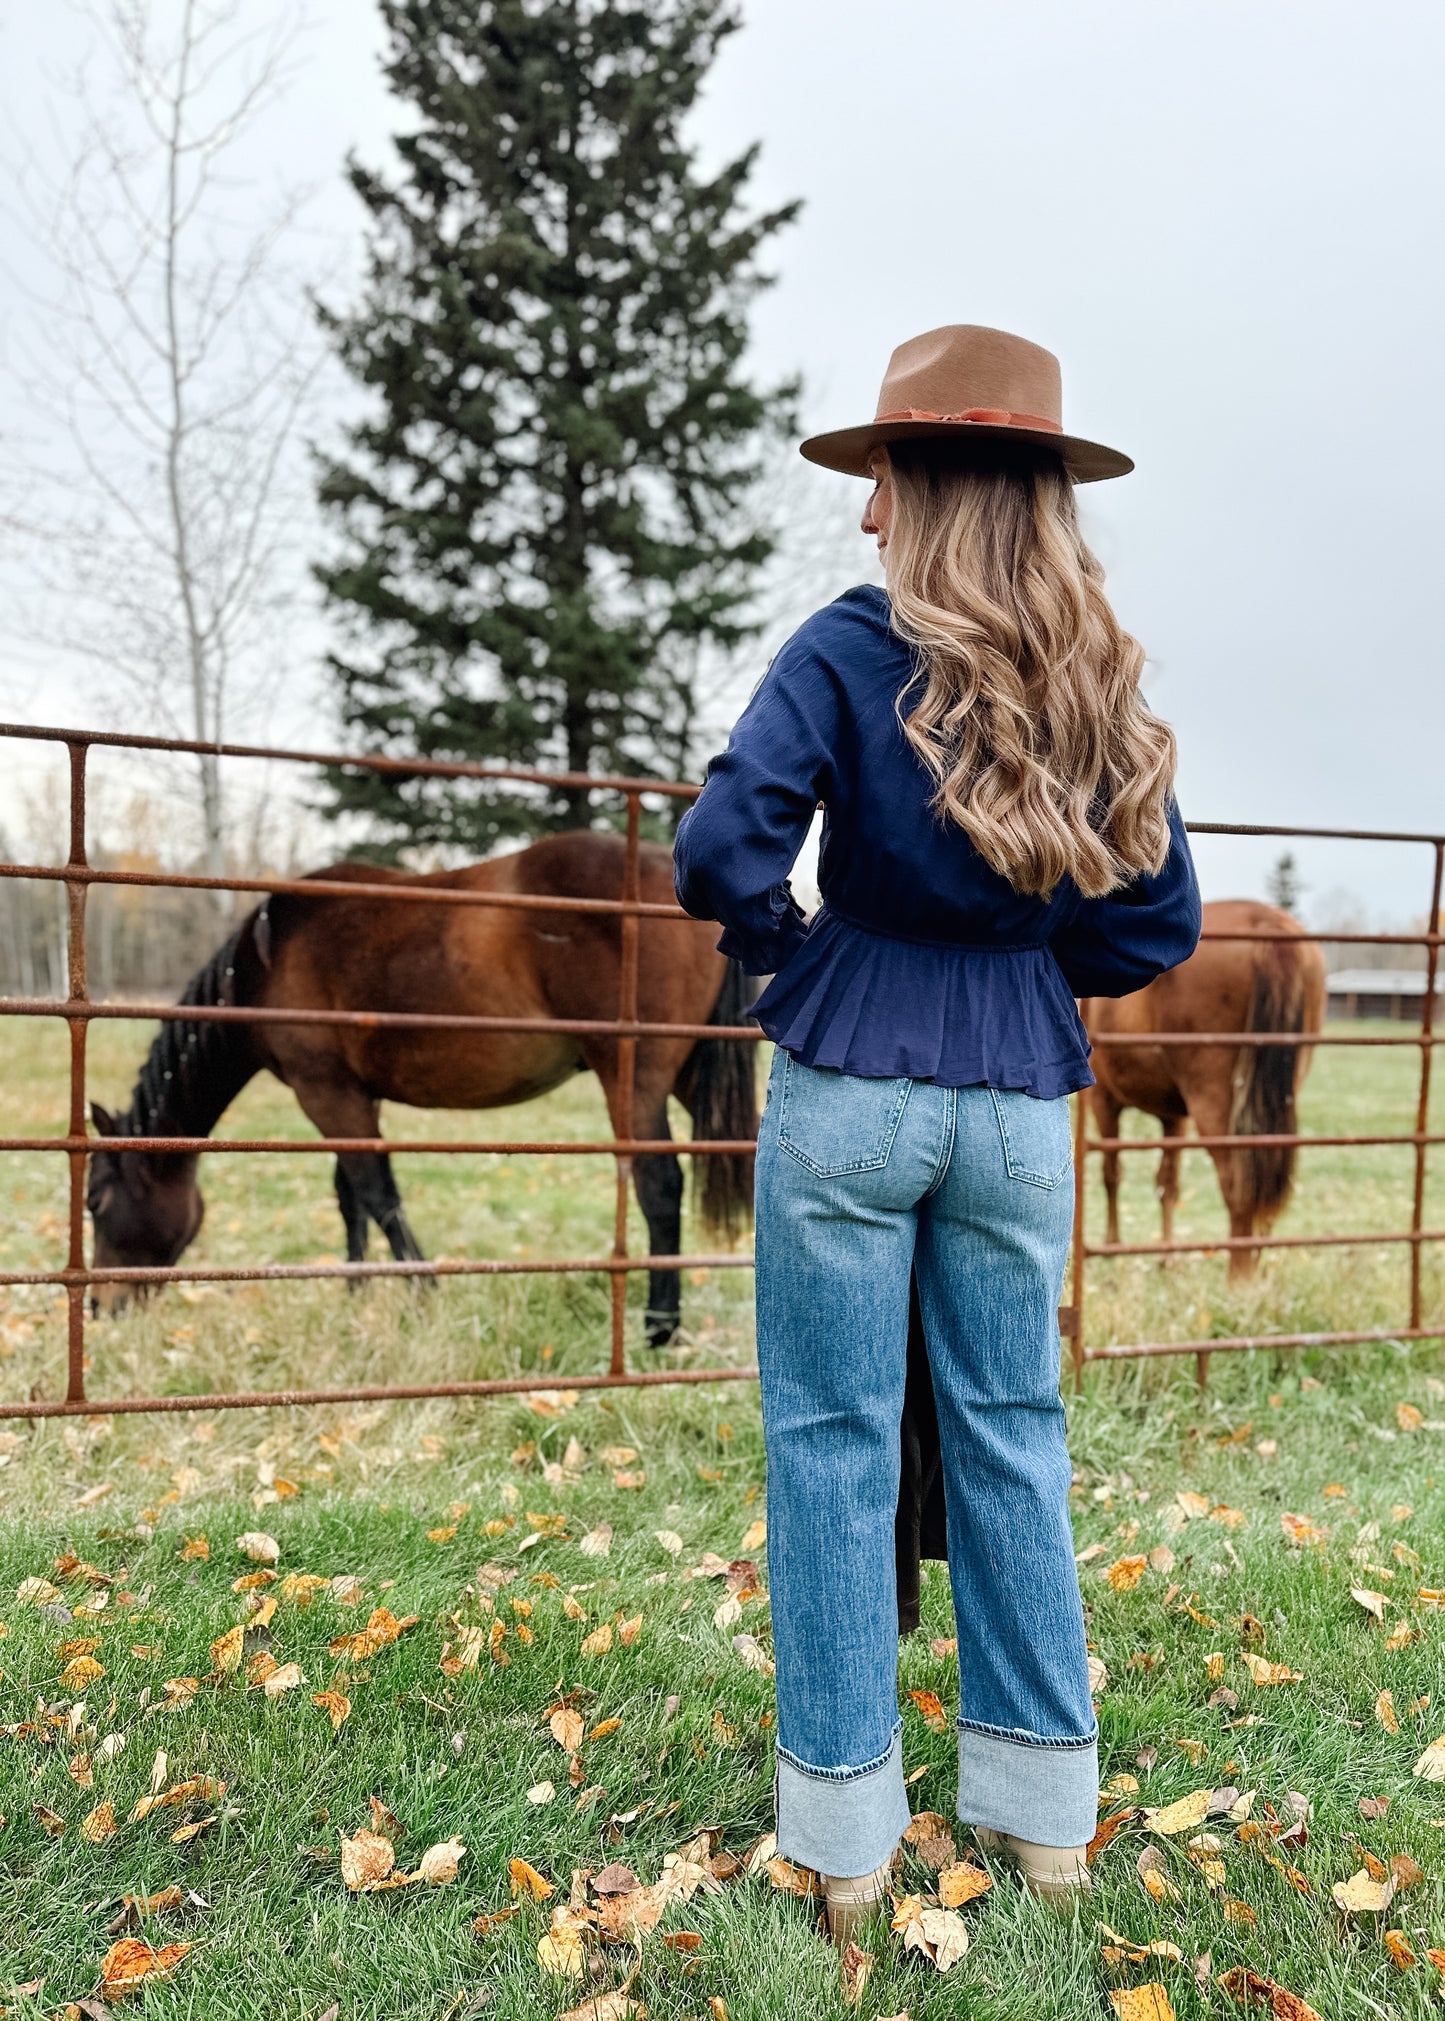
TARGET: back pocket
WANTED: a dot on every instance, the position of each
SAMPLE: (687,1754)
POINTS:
(834,1122)
(1037,1146)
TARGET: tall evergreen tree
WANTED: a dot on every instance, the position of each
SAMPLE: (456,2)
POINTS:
(543,519)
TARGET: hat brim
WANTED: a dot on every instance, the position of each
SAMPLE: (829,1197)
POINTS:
(848,449)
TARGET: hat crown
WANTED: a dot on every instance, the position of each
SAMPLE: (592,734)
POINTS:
(966,365)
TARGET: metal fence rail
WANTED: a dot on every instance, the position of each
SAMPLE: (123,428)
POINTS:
(78,1011)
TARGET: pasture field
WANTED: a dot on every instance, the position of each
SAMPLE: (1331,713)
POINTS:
(472,1517)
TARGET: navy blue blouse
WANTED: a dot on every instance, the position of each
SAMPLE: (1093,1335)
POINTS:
(923,960)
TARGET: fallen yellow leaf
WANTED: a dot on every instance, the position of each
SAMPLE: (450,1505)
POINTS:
(131,1960)
(1263,1672)
(527,1881)
(599,1641)
(439,1862)
(962,1882)
(1363,1895)
(334,1703)
(366,1859)
(100,1824)
(1182,1816)
(1385,1711)
(284,1678)
(226,1649)
(1142,2003)
(1431,1765)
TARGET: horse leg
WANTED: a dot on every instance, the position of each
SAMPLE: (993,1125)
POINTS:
(1166,1184)
(1211,1112)
(363,1178)
(659,1194)
(353,1214)
(376,1185)
(1107,1113)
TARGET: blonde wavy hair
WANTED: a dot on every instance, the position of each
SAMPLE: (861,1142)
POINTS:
(1026,707)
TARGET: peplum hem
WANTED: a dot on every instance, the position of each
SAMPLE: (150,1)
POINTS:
(873,1004)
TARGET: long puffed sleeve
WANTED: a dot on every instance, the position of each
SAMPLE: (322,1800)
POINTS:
(1115,945)
(741,837)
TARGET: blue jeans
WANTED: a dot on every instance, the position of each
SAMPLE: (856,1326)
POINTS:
(859,1182)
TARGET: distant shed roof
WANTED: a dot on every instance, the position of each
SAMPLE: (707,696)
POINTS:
(1377,982)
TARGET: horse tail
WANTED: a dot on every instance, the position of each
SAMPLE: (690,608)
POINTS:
(1265,1079)
(722,1092)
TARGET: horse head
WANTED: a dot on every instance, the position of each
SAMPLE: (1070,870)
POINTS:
(145,1209)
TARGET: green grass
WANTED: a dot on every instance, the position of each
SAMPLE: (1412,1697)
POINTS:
(279,1937)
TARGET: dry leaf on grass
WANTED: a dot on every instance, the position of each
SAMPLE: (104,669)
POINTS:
(1151,1867)
(1262,1672)
(1125,1573)
(1363,1895)
(541,1792)
(606,2007)
(597,1543)
(962,1882)
(1398,1946)
(81,1673)
(753,1654)
(366,1859)
(335,1703)
(100,1824)
(931,1706)
(383,1628)
(567,1728)
(1098,1675)
(562,1951)
(438,1866)
(755,1535)
(285,1677)
(792,1880)
(857,1966)
(1142,2003)
(131,1960)
(1431,1765)
(256,1545)
(1254,1990)
(37,1593)
(1182,1816)
(226,1649)
(526,1880)
(940,1934)
(1385,1712)
(599,1641)
(1372,1602)
(1124,1950)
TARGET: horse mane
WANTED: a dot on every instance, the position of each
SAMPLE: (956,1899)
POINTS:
(194,1069)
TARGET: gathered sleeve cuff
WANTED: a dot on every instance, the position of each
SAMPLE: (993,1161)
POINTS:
(737,843)
(1115,945)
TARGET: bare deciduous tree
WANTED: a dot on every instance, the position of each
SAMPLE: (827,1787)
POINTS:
(174,358)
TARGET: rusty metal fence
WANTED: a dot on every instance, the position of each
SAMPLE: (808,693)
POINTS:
(79,1011)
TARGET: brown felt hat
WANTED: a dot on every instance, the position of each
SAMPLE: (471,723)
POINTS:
(969,383)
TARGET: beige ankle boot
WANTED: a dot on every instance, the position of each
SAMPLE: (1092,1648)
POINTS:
(1057,1874)
(851,1901)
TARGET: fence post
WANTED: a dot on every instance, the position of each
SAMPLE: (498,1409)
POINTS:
(1422,1112)
(626,1071)
(75,896)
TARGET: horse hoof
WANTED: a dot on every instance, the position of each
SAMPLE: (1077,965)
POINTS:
(661,1329)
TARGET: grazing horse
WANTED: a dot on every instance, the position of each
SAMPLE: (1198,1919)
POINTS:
(1225,986)
(366,953)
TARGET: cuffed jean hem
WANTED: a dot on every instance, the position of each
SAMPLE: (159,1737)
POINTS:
(842,1825)
(1046,1792)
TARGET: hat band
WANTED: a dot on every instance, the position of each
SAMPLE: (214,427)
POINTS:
(994,417)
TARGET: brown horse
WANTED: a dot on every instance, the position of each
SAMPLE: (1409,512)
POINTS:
(1225,986)
(366,953)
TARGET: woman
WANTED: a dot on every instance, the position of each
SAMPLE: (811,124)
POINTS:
(999,838)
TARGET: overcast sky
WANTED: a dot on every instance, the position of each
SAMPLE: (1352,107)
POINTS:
(1225,219)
